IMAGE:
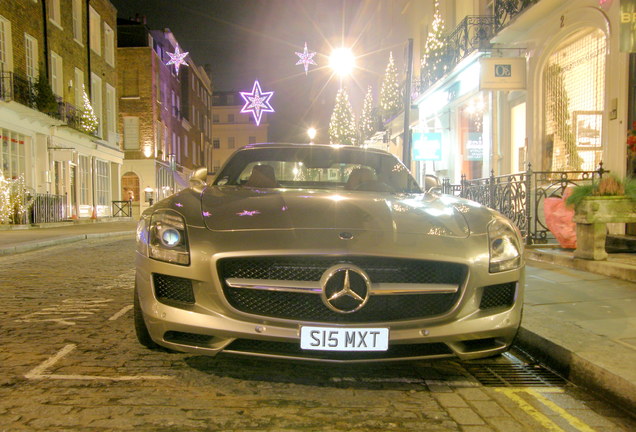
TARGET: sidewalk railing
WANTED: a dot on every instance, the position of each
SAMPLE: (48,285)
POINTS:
(520,196)
(48,208)
(122,208)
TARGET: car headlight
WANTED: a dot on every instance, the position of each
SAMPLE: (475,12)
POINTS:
(167,239)
(504,243)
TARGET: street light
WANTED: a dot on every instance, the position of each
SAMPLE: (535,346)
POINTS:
(342,61)
(311,132)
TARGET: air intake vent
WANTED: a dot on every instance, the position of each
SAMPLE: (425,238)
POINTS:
(173,288)
(498,295)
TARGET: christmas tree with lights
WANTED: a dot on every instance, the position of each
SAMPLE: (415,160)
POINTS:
(88,119)
(367,118)
(433,67)
(342,126)
(390,95)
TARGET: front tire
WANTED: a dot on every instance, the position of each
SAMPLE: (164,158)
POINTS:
(140,325)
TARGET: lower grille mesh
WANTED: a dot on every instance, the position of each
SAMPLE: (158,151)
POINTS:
(498,295)
(293,349)
(173,288)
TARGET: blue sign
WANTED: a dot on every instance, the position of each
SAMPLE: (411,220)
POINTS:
(427,146)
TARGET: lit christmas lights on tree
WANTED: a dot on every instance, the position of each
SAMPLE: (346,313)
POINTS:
(367,119)
(432,59)
(88,120)
(342,126)
(257,102)
(390,95)
(306,58)
(177,59)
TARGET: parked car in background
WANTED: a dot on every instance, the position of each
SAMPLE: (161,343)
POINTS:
(325,253)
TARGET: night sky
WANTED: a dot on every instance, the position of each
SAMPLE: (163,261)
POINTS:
(245,40)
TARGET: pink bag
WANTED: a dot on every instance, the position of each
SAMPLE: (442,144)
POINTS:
(558,218)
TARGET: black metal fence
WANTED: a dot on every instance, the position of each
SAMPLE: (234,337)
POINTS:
(47,208)
(122,208)
(520,196)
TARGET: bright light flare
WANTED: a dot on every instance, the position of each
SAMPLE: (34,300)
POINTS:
(342,61)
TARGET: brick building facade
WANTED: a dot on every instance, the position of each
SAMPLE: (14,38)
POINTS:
(69,46)
(164,116)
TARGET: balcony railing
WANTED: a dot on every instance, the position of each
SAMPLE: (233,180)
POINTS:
(14,87)
(472,34)
(17,88)
(507,10)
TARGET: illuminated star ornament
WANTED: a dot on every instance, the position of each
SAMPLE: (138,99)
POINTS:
(306,58)
(257,102)
(177,59)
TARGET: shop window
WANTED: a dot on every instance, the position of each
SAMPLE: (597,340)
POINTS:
(574,84)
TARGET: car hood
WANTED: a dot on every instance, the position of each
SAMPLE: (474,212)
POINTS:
(230,208)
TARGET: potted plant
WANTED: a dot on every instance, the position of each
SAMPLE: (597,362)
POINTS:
(609,200)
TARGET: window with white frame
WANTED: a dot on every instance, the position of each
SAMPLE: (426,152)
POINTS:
(12,156)
(31,57)
(54,12)
(109,45)
(185,146)
(94,21)
(102,189)
(84,180)
(97,101)
(77,20)
(6,57)
(111,127)
(57,78)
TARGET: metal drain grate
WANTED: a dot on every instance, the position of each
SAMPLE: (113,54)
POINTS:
(514,375)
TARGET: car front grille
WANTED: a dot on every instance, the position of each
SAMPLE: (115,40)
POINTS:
(309,307)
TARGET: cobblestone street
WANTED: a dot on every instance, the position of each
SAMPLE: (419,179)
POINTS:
(70,361)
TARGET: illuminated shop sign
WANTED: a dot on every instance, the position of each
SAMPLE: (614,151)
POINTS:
(503,73)
(427,146)
(628,26)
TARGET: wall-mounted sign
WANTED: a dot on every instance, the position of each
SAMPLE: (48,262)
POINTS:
(628,26)
(502,73)
(427,146)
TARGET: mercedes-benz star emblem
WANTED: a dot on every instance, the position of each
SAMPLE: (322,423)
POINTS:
(345,288)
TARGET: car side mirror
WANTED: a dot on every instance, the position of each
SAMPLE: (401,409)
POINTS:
(199,177)
(432,183)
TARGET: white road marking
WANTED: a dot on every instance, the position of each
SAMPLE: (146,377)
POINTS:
(38,372)
(120,313)
(67,312)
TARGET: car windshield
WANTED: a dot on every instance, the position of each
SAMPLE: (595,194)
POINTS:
(317,167)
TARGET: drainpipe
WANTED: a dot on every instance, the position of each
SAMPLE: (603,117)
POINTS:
(45,38)
(88,49)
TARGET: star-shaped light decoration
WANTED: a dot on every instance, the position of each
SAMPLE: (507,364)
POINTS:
(306,58)
(177,59)
(257,102)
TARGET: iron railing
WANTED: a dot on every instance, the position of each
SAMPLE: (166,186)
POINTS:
(520,196)
(122,208)
(14,87)
(473,33)
(506,10)
(48,208)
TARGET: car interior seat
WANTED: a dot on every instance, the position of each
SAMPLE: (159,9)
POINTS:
(262,177)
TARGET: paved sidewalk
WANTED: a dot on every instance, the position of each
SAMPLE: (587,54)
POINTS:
(579,316)
(26,239)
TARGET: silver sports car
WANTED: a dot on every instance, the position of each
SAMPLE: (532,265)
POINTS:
(325,253)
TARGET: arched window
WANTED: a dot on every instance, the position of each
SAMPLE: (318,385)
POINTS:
(574,93)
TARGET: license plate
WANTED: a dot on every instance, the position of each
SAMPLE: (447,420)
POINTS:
(344,339)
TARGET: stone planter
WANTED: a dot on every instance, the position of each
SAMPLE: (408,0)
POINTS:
(591,216)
